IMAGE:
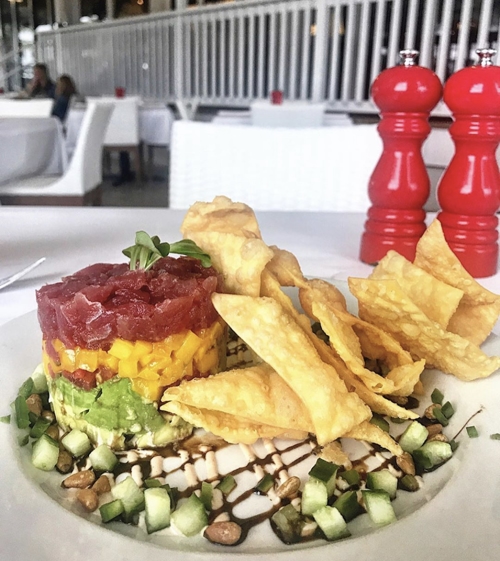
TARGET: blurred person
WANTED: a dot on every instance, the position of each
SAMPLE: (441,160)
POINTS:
(65,90)
(41,86)
(130,8)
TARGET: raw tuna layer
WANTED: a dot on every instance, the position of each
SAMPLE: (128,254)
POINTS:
(92,307)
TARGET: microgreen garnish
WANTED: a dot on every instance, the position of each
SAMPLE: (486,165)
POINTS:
(147,250)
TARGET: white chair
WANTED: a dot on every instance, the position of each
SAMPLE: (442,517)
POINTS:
(122,134)
(80,184)
(26,107)
(310,169)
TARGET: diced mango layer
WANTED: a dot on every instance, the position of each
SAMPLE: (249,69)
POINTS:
(150,366)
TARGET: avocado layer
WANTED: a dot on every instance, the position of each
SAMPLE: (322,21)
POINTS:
(113,413)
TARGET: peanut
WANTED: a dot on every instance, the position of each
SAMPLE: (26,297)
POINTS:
(433,429)
(53,432)
(64,461)
(34,403)
(405,462)
(48,415)
(289,487)
(88,499)
(102,485)
(224,533)
(439,437)
(429,412)
(79,480)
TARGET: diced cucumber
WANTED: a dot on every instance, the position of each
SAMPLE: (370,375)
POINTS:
(379,507)
(432,454)
(39,380)
(351,476)
(26,389)
(174,495)
(227,484)
(440,417)
(157,506)
(130,495)
(103,458)
(77,443)
(266,483)
(380,422)
(331,523)
(472,432)
(206,493)
(45,453)
(314,496)
(383,480)
(22,412)
(437,396)
(448,410)
(326,472)
(347,504)
(112,510)
(190,518)
(413,437)
(152,483)
(39,428)
(288,524)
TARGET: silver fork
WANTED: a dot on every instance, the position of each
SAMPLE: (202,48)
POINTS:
(16,276)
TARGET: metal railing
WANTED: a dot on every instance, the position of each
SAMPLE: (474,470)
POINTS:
(232,53)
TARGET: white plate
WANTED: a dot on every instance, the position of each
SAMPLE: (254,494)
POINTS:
(456,516)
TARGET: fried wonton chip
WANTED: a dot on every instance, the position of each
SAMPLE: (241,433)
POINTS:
(257,394)
(345,343)
(385,304)
(281,342)
(371,433)
(333,453)
(377,403)
(221,215)
(354,339)
(376,344)
(438,300)
(285,267)
(479,308)
(230,234)
(235,430)
(320,290)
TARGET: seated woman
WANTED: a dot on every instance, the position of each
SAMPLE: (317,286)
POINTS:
(65,89)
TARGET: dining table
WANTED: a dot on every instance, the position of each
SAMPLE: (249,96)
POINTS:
(31,146)
(287,114)
(34,526)
(155,124)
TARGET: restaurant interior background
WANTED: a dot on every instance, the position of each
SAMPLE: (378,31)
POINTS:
(203,56)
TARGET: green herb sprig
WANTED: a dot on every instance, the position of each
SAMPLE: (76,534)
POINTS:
(147,250)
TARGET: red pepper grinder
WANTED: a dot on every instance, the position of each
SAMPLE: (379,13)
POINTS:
(469,191)
(399,186)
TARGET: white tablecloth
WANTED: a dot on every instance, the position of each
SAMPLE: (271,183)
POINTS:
(31,146)
(155,125)
(288,114)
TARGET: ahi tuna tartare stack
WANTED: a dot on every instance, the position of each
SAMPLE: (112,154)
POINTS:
(115,338)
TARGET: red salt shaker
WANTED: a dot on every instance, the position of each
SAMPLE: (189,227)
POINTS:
(469,191)
(400,186)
